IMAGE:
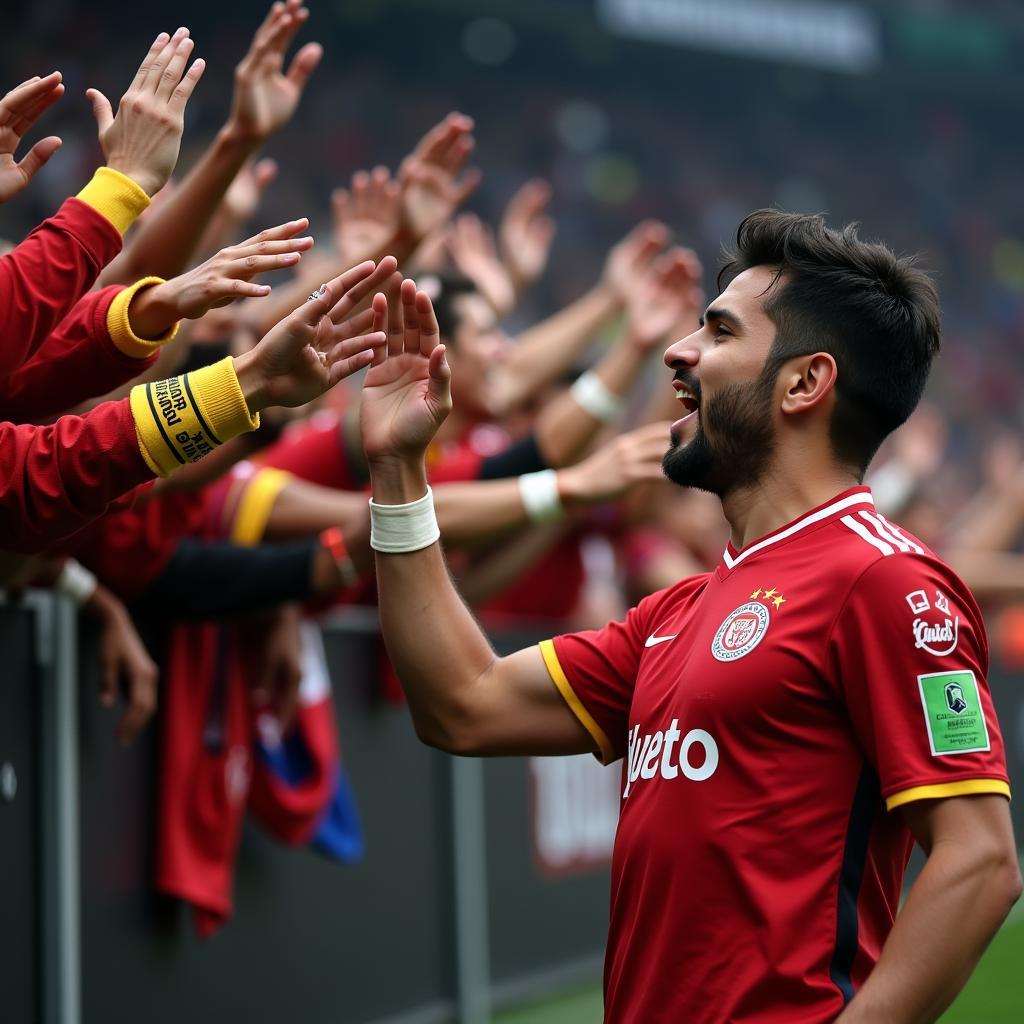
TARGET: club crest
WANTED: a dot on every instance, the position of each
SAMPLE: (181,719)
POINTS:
(742,630)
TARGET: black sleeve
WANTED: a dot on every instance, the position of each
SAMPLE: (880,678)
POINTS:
(209,579)
(523,457)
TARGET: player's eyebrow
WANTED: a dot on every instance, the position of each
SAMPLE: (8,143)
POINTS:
(719,314)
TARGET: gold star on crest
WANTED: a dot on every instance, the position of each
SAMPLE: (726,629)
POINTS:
(778,601)
(770,593)
(755,595)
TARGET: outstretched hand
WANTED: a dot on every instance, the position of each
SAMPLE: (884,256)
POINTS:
(630,259)
(526,231)
(19,110)
(315,347)
(223,278)
(143,139)
(666,295)
(367,216)
(265,95)
(431,188)
(407,392)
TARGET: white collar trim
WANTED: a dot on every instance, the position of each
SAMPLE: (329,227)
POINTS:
(861,498)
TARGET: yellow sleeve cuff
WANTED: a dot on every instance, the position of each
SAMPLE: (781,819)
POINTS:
(606,753)
(180,420)
(116,196)
(119,324)
(965,787)
(256,504)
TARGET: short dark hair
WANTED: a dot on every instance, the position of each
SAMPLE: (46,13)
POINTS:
(450,288)
(875,313)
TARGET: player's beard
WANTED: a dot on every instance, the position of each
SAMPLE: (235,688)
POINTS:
(739,418)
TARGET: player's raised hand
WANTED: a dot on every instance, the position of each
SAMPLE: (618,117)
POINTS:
(143,139)
(525,233)
(474,252)
(266,95)
(223,278)
(431,187)
(665,295)
(630,259)
(367,216)
(19,111)
(315,347)
(407,396)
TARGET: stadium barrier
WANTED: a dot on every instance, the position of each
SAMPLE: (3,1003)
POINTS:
(483,883)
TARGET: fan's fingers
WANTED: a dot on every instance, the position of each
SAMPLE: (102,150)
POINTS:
(304,63)
(363,286)
(342,364)
(159,62)
(175,67)
(362,322)
(184,89)
(147,62)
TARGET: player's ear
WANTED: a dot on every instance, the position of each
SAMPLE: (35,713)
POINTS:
(808,382)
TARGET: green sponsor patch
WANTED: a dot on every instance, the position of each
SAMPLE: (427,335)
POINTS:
(953,713)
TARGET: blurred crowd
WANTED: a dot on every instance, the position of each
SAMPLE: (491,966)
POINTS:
(556,298)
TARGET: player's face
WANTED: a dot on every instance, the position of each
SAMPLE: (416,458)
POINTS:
(726,437)
(477,357)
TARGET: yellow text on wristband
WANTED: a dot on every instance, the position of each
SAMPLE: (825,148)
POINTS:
(182,419)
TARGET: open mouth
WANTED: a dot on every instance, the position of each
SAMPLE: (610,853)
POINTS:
(686,397)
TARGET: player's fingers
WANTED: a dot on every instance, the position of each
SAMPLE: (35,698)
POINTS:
(38,155)
(101,109)
(184,89)
(411,337)
(379,324)
(439,379)
(172,72)
(430,334)
(304,63)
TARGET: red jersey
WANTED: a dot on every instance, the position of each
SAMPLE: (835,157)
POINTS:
(771,714)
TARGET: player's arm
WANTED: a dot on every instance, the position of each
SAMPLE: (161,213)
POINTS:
(969,883)
(462,696)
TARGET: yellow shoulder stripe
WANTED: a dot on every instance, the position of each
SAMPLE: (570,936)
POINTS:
(965,787)
(561,681)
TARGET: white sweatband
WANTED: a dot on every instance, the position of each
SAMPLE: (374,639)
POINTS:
(592,395)
(541,500)
(396,529)
(76,581)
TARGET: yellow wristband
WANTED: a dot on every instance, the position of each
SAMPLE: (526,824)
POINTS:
(184,418)
(256,503)
(116,196)
(119,324)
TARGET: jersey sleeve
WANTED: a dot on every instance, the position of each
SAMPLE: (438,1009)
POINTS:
(595,672)
(909,658)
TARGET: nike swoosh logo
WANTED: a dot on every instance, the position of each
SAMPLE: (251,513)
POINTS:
(653,641)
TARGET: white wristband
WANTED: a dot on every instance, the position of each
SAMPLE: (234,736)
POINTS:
(541,500)
(76,581)
(396,529)
(592,395)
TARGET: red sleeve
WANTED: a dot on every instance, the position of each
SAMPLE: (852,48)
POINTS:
(55,479)
(908,657)
(595,671)
(77,361)
(44,276)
